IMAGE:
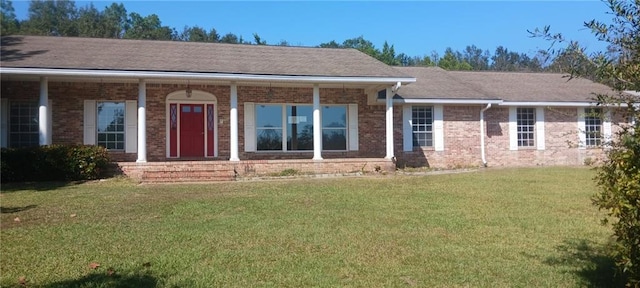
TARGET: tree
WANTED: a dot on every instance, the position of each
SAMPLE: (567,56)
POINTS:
(362,45)
(52,18)
(115,21)
(231,38)
(90,22)
(478,59)
(618,178)
(331,44)
(198,34)
(149,27)
(388,55)
(8,22)
(573,59)
(259,40)
(453,61)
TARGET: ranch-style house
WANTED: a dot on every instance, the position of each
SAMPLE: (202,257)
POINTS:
(184,111)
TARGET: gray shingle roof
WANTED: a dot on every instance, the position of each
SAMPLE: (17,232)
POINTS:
(536,87)
(174,56)
(437,83)
(433,82)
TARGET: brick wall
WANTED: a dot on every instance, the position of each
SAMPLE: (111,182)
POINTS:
(462,140)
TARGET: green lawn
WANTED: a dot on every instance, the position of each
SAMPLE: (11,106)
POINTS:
(493,228)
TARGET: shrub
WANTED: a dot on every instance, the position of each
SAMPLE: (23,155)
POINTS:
(619,195)
(53,163)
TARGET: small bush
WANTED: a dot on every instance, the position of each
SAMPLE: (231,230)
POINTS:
(53,163)
(288,172)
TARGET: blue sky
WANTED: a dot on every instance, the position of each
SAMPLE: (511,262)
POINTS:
(415,28)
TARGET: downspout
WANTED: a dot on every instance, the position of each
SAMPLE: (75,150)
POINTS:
(484,159)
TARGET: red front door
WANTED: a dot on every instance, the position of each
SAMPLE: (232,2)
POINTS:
(192,130)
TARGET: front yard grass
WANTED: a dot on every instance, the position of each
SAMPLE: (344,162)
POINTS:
(531,227)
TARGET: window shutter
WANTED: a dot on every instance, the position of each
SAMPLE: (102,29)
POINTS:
(540,141)
(249,127)
(131,126)
(513,128)
(89,122)
(438,128)
(582,137)
(407,129)
(4,122)
(353,127)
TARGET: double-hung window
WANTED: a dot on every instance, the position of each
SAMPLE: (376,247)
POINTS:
(23,124)
(111,125)
(526,128)
(526,121)
(593,127)
(422,126)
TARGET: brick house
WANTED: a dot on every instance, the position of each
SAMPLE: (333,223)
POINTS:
(195,111)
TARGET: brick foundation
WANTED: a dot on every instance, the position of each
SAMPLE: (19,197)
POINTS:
(204,171)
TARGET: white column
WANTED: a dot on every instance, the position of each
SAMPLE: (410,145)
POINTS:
(317,124)
(389,122)
(233,123)
(142,122)
(43,117)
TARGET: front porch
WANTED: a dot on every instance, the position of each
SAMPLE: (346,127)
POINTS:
(207,171)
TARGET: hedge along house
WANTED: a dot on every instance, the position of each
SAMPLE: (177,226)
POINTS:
(196,111)
(461,119)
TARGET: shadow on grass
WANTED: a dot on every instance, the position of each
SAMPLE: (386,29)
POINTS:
(142,279)
(37,186)
(8,210)
(593,263)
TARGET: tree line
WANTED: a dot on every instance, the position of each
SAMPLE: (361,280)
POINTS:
(63,18)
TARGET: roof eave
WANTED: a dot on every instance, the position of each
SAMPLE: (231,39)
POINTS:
(231,77)
(443,101)
(550,103)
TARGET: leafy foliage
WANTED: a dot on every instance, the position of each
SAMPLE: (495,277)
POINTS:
(53,163)
(8,22)
(619,180)
(619,176)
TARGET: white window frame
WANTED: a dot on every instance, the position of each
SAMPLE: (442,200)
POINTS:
(605,127)
(426,126)
(131,124)
(438,127)
(526,130)
(539,129)
(116,133)
(592,140)
(251,130)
